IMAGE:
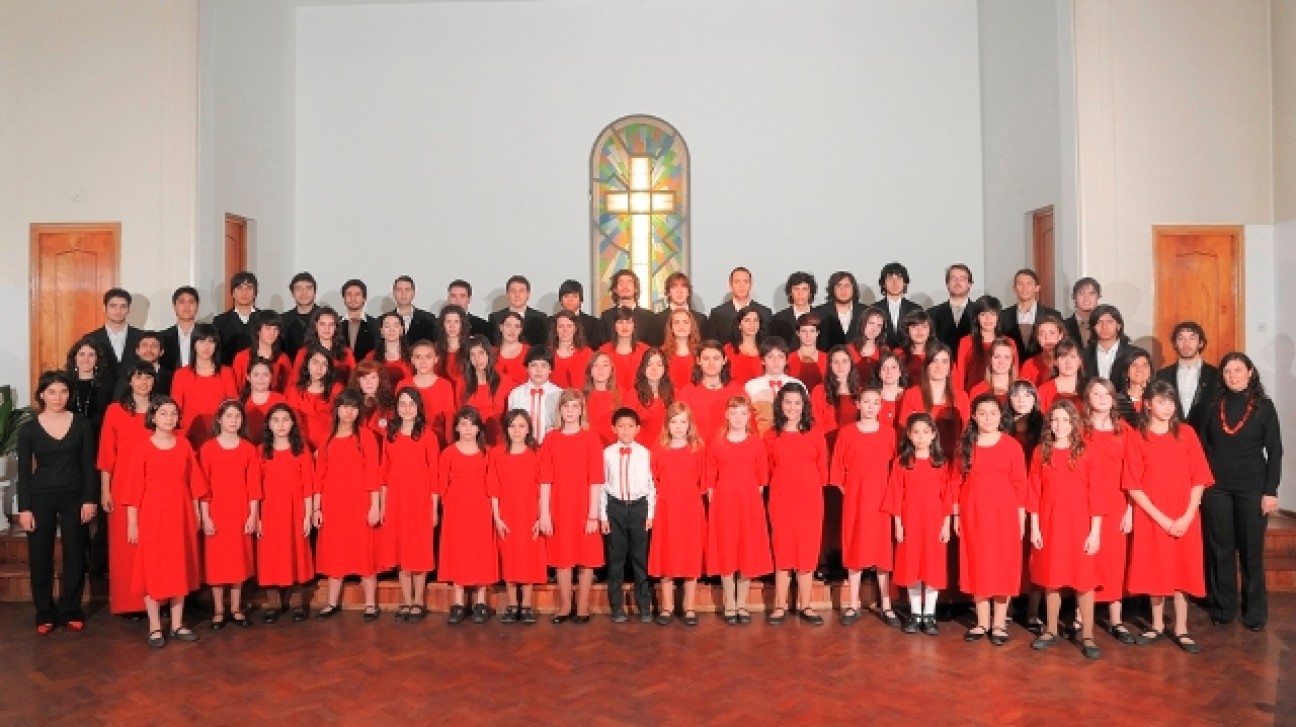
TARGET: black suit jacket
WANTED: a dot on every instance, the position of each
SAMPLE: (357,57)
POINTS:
(422,327)
(535,326)
(647,326)
(945,329)
(830,328)
(293,334)
(721,320)
(1089,356)
(1008,327)
(128,359)
(478,326)
(235,335)
(783,325)
(1208,385)
(366,337)
(663,326)
(170,348)
(890,330)
(1072,329)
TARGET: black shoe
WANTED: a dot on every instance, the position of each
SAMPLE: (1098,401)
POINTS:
(527,615)
(271,615)
(1090,649)
(913,625)
(849,616)
(241,620)
(619,616)
(645,616)
(416,614)
(371,614)
(561,618)
(456,614)
(744,616)
(999,636)
(183,634)
(731,618)
(581,620)
(809,616)
(300,614)
(1254,626)
(327,612)
(402,613)
(664,618)
(889,618)
(690,618)
(480,614)
(1044,641)
(510,615)
(929,626)
(218,623)
(976,633)
(776,616)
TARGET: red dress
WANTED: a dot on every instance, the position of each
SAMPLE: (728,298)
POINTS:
(984,388)
(890,414)
(283,552)
(973,372)
(810,373)
(491,407)
(569,371)
(119,436)
(572,464)
(439,409)
(1048,393)
(864,364)
(599,406)
(163,485)
(742,368)
(256,415)
(1165,469)
(513,369)
(469,556)
(198,397)
(233,481)
(1035,370)
(830,418)
(409,471)
(922,498)
(625,365)
(652,420)
(314,414)
(680,370)
(709,407)
(282,372)
(514,480)
(861,467)
(950,419)
(914,364)
(679,527)
(1106,455)
(346,474)
(447,367)
(342,367)
(397,371)
(1061,496)
(990,546)
(737,534)
(798,472)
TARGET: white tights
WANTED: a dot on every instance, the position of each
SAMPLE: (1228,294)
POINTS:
(920,603)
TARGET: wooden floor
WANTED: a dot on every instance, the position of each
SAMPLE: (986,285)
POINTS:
(345,671)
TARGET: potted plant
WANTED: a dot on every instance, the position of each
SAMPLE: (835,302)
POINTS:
(12,418)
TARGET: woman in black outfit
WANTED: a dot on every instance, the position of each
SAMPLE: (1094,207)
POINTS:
(57,490)
(1244,447)
(90,379)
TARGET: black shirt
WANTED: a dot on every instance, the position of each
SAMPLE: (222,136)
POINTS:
(49,466)
(1250,459)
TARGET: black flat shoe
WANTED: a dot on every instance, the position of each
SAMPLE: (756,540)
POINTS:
(1035,626)
(581,620)
(999,636)
(1255,627)
(1122,633)
(690,618)
(527,615)
(184,634)
(218,623)
(299,615)
(480,613)
(271,615)
(976,633)
(1185,641)
(327,612)
(456,616)
(776,617)
(619,616)
(809,616)
(510,615)
(664,618)
(849,616)
(645,616)
(371,614)
(416,614)
(241,620)
(744,616)
(889,618)
(561,618)
(731,618)
(913,625)
(156,640)
(1044,641)
(1090,649)
(929,626)
(402,613)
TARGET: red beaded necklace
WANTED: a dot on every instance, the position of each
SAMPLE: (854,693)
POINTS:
(1224,421)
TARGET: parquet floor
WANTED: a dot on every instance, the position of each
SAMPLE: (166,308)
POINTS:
(345,671)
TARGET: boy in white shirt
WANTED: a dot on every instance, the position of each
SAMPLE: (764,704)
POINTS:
(762,389)
(627,502)
(538,395)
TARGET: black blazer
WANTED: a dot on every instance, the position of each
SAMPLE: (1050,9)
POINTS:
(478,326)
(783,325)
(535,326)
(170,348)
(890,331)
(1008,327)
(1089,356)
(128,359)
(830,328)
(647,327)
(235,335)
(722,317)
(945,330)
(1072,329)
(422,327)
(1208,385)
(366,338)
(293,333)
(663,326)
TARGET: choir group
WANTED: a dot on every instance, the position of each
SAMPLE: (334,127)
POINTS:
(1001,451)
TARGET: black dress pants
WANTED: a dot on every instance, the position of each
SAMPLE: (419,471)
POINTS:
(1233,529)
(57,512)
(628,536)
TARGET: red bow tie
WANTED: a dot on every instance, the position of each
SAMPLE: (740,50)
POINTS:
(537,392)
(625,451)
(776,384)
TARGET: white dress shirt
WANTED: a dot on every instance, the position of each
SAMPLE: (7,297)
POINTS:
(894,307)
(118,341)
(627,476)
(1106,358)
(765,388)
(1187,377)
(541,402)
(186,343)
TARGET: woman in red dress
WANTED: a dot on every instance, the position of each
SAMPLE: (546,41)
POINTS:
(679,527)
(743,349)
(513,483)
(510,357)
(861,463)
(710,391)
(312,398)
(602,396)
(990,518)
(391,351)
(469,555)
(920,499)
(322,332)
(1104,434)
(1068,380)
(484,389)
(681,345)
(867,351)
(258,396)
(915,330)
(571,351)
(347,506)
(625,349)
(123,430)
(1066,525)
(998,372)
(377,400)
(889,377)
(437,391)
(410,476)
(738,544)
(975,351)
(936,395)
(231,512)
(1165,475)
(163,488)
(455,330)
(201,386)
(653,392)
(266,344)
(836,401)
(807,363)
(283,552)
(1049,332)
(571,472)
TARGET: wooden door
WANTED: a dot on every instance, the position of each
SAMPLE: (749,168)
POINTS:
(1042,257)
(235,250)
(1199,278)
(71,266)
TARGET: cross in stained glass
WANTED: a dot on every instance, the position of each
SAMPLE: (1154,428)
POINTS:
(640,202)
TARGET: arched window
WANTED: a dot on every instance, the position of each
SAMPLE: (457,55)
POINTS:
(639,206)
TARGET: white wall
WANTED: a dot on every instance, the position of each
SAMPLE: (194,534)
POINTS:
(98,122)
(1282,384)
(452,139)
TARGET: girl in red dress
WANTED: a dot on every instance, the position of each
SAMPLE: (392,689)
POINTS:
(990,517)
(867,351)
(391,351)
(231,511)
(513,483)
(510,358)
(889,377)
(602,396)
(1067,381)
(283,552)
(123,430)
(807,363)
(347,506)
(915,330)
(936,395)
(377,400)
(1104,434)
(266,344)
(999,370)
(1066,525)
(861,464)
(571,472)
(484,389)
(624,349)
(919,498)
(312,397)
(836,401)
(743,349)
(322,332)
(455,331)
(709,394)
(1165,475)
(257,397)
(681,345)
(163,488)
(201,387)
(438,393)
(653,392)
(679,526)
(738,545)
(410,472)
(571,350)
(1049,332)
(975,350)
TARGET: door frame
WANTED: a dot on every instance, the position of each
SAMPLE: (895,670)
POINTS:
(237,259)
(1048,294)
(1238,233)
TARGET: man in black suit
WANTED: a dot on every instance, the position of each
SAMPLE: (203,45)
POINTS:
(571,296)
(1085,295)
(420,325)
(1196,381)
(722,316)
(1109,348)
(459,293)
(116,335)
(1018,322)
(149,351)
(956,317)
(679,296)
(625,290)
(894,282)
(357,327)
(234,324)
(839,316)
(177,340)
(297,319)
(535,325)
(800,289)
